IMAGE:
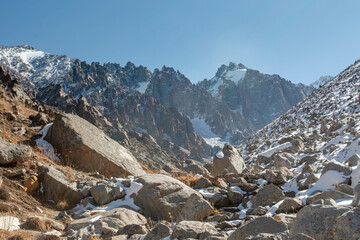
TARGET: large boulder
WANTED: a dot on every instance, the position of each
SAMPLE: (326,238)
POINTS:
(160,231)
(264,224)
(105,192)
(231,162)
(57,187)
(290,205)
(216,196)
(162,197)
(316,220)
(267,196)
(269,236)
(347,226)
(13,153)
(196,208)
(333,194)
(192,230)
(116,219)
(354,160)
(336,166)
(278,177)
(194,168)
(87,147)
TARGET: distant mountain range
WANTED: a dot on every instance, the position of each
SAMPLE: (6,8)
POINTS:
(185,119)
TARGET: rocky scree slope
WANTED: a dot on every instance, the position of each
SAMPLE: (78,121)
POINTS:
(105,92)
(312,153)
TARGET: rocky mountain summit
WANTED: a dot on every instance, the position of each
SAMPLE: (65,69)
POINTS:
(259,98)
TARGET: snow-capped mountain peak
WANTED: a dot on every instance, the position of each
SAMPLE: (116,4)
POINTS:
(38,66)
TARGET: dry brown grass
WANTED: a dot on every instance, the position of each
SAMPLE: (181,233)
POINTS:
(152,171)
(51,237)
(15,235)
(36,223)
(188,180)
(95,238)
(62,205)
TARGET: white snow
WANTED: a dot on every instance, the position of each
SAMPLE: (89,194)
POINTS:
(236,75)
(238,189)
(45,147)
(9,223)
(127,201)
(328,181)
(262,182)
(233,75)
(345,202)
(142,87)
(202,128)
(220,154)
(214,89)
(27,57)
(95,218)
(268,153)
(205,194)
(272,210)
(40,67)
(215,141)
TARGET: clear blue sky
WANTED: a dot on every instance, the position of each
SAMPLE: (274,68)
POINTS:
(299,40)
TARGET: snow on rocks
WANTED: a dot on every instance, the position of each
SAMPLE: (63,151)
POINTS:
(45,147)
(86,208)
(230,163)
(9,223)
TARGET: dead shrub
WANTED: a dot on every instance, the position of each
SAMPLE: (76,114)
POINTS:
(36,223)
(62,205)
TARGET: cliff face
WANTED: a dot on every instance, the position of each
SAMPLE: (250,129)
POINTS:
(209,116)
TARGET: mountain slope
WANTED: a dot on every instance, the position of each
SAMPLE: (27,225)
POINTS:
(328,117)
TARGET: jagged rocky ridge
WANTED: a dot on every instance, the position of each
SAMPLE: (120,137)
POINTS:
(104,91)
(227,108)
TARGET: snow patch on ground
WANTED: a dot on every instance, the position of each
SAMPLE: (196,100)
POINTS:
(268,153)
(202,128)
(9,223)
(86,211)
(328,181)
(45,147)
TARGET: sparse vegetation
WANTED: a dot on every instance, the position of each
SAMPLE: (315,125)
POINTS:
(188,180)
(62,205)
